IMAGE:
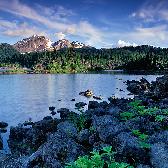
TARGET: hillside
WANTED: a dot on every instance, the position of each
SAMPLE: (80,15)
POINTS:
(7,51)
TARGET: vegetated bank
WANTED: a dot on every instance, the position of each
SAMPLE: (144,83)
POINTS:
(123,133)
(70,60)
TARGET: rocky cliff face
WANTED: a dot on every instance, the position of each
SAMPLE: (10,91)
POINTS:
(62,44)
(33,44)
(40,43)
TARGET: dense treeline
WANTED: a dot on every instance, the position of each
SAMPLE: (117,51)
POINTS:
(80,60)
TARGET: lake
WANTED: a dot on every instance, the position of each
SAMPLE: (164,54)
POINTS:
(29,95)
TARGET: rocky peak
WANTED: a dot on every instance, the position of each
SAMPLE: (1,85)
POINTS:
(37,43)
(33,44)
(62,44)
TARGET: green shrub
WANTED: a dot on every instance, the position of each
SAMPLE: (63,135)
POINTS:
(96,160)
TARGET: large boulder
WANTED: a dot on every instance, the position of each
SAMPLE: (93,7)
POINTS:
(114,111)
(80,105)
(161,136)
(129,147)
(55,153)
(11,162)
(160,87)
(137,87)
(66,114)
(83,136)
(159,155)
(93,105)
(107,127)
(68,128)
(25,140)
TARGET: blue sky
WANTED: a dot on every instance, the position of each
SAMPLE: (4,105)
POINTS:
(100,23)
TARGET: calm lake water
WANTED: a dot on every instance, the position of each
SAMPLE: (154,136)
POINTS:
(29,96)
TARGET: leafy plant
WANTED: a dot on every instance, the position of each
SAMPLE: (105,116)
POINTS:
(144,144)
(127,115)
(96,160)
(142,138)
(160,118)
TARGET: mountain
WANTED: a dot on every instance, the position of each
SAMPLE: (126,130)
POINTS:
(62,44)
(7,50)
(34,43)
(37,43)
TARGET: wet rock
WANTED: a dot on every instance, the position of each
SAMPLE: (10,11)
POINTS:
(67,128)
(47,118)
(72,99)
(80,105)
(3,124)
(159,155)
(93,105)
(53,113)
(3,130)
(97,97)
(51,108)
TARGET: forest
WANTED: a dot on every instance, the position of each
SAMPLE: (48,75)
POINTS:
(70,60)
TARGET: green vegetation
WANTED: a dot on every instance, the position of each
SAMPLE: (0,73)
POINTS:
(78,120)
(82,60)
(136,109)
(96,160)
(142,139)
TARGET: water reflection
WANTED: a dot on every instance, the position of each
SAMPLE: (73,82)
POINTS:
(25,96)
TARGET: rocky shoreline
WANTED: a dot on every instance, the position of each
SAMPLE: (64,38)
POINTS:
(137,131)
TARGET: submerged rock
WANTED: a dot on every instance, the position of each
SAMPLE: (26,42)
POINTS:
(80,105)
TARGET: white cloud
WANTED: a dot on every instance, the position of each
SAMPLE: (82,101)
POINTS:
(50,17)
(14,29)
(60,35)
(20,9)
(153,11)
(122,43)
(94,35)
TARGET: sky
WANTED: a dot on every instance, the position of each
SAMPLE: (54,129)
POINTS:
(99,23)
